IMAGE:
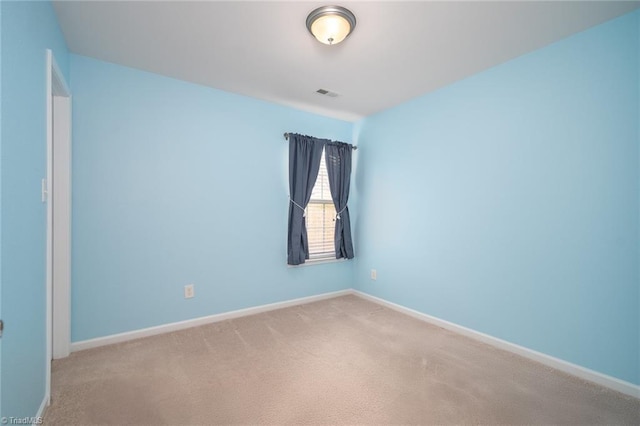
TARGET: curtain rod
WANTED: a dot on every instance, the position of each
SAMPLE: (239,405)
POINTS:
(286,136)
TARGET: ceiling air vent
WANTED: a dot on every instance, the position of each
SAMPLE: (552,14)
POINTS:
(326,92)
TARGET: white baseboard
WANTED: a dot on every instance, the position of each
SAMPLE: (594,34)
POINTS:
(181,325)
(567,367)
(37,420)
(559,364)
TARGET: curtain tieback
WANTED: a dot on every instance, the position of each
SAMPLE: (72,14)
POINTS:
(338,214)
(304,212)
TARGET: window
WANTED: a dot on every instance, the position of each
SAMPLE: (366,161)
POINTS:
(320,217)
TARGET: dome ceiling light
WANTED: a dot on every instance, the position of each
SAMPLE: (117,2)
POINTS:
(331,24)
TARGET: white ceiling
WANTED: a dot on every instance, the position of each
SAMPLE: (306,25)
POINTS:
(399,50)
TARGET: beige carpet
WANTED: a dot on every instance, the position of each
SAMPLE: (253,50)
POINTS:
(338,361)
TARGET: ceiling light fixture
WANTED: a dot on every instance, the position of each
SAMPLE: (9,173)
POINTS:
(331,24)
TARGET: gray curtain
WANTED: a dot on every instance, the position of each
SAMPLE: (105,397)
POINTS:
(305,154)
(338,158)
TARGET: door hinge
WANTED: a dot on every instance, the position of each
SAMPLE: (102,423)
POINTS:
(1,327)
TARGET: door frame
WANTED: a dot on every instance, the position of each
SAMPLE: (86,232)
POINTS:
(57,194)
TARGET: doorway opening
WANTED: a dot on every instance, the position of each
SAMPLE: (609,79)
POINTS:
(57,195)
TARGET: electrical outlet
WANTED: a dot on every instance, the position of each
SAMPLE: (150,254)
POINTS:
(374,274)
(188,291)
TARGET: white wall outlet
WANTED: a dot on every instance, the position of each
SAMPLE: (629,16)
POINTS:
(188,291)
(374,274)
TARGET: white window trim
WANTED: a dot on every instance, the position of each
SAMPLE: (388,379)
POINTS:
(318,261)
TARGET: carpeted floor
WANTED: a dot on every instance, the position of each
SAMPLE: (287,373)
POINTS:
(338,361)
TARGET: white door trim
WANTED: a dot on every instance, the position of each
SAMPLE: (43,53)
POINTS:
(58,196)
(61,249)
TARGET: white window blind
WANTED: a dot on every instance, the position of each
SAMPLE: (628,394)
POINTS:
(320,217)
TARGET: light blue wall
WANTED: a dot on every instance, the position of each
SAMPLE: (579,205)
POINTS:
(509,202)
(28,28)
(175,183)
(0,203)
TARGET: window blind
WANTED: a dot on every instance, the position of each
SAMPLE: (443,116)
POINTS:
(320,218)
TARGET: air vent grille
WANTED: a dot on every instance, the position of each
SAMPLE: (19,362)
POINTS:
(328,93)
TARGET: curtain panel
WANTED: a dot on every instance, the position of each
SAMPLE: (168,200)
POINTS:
(338,159)
(305,154)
